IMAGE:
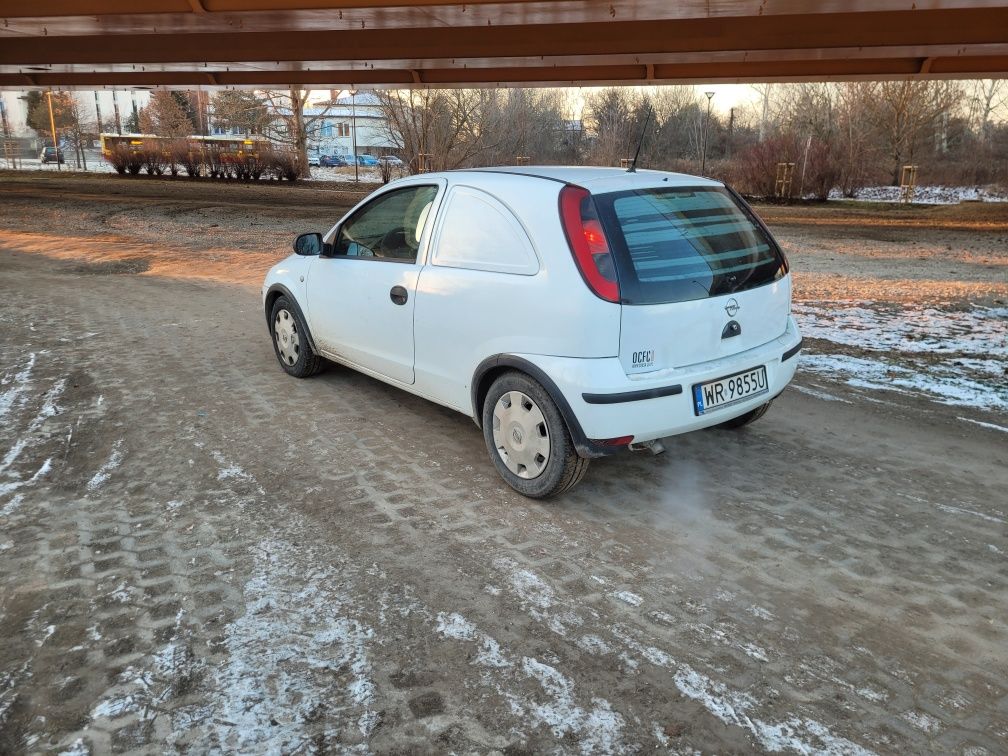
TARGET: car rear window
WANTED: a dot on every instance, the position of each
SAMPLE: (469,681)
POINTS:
(677,244)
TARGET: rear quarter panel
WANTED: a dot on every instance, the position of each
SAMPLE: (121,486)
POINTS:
(464,316)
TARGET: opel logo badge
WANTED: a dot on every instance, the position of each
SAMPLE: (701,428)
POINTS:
(732,307)
(516,435)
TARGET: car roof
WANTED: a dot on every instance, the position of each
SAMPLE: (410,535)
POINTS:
(595,178)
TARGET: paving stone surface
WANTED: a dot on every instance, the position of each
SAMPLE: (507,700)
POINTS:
(199,554)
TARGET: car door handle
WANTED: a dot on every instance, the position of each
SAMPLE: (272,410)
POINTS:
(398,295)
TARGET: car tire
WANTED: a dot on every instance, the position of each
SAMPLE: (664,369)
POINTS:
(749,417)
(290,340)
(527,438)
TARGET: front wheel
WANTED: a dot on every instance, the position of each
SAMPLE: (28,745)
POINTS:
(290,341)
(528,440)
(749,417)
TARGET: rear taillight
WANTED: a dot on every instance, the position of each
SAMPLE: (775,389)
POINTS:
(588,242)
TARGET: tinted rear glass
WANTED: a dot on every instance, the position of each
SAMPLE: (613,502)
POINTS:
(679,244)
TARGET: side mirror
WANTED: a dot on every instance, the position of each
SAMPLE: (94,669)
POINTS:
(308,244)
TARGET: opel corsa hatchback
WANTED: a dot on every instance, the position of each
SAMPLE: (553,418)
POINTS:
(571,312)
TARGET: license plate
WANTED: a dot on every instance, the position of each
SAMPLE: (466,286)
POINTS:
(732,389)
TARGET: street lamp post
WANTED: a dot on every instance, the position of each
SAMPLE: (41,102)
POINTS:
(115,108)
(52,125)
(353,132)
(703,160)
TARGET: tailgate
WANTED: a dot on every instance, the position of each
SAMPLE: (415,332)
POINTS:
(674,335)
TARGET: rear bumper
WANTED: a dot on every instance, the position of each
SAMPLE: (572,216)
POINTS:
(608,404)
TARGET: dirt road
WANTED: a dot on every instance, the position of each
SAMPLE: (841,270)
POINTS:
(198,552)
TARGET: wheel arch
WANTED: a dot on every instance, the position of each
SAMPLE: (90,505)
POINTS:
(272,295)
(492,367)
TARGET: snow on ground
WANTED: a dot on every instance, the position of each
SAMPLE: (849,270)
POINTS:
(95,164)
(928,195)
(365,175)
(978,331)
(955,357)
(105,471)
(600,729)
(296,652)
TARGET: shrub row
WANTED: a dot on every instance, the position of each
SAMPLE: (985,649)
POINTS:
(212,161)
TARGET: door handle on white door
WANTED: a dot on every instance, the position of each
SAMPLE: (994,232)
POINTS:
(398,295)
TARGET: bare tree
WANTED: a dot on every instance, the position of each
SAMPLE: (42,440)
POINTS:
(81,128)
(527,123)
(69,117)
(986,97)
(454,127)
(288,123)
(808,109)
(609,116)
(856,143)
(678,125)
(905,113)
(768,107)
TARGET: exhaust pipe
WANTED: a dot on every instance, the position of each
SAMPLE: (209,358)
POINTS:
(656,447)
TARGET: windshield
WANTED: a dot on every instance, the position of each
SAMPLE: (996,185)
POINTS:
(677,244)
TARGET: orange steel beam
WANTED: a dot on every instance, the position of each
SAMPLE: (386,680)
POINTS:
(963,67)
(963,27)
(941,38)
(52,8)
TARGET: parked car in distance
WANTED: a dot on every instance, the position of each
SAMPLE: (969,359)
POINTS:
(391,160)
(332,161)
(313,160)
(571,312)
(50,154)
(367,160)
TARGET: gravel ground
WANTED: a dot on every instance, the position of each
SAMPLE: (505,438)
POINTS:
(199,554)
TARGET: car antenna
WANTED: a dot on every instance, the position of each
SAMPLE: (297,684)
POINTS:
(640,142)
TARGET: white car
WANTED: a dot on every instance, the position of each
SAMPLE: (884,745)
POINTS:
(571,312)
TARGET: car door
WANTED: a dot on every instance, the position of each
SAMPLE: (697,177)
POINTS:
(361,295)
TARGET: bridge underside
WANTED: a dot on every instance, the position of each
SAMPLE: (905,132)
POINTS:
(376,43)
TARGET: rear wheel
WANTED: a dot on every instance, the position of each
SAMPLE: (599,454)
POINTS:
(527,438)
(749,417)
(290,341)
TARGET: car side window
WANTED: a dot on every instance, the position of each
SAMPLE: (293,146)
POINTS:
(388,228)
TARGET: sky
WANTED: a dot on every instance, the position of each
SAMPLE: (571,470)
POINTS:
(726,96)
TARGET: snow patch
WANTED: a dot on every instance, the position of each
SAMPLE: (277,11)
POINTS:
(77,748)
(46,635)
(953,357)
(296,650)
(11,506)
(531,589)
(457,627)
(629,598)
(105,471)
(600,729)
(117,706)
(735,708)
(944,387)
(930,194)
(992,426)
(978,331)
(231,471)
(973,513)
(760,613)
(20,381)
(827,397)
(922,721)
